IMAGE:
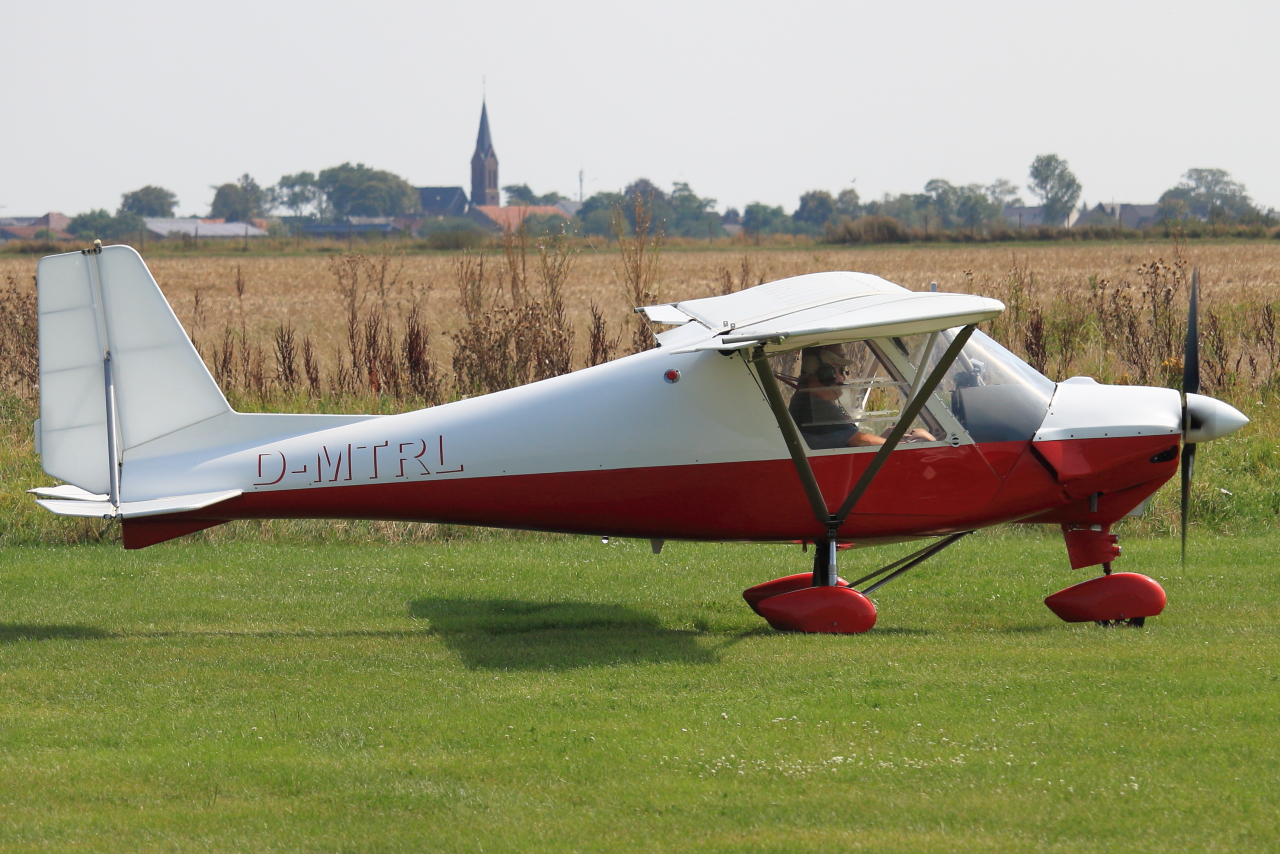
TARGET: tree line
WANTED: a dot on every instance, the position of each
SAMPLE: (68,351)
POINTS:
(340,192)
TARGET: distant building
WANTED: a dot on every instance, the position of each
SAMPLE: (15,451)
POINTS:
(485,206)
(199,229)
(360,226)
(442,201)
(731,222)
(484,166)
(1125,216)
(1024,217)
(32,232)
(51,226)
(54,220)
(569,207)
(509,218)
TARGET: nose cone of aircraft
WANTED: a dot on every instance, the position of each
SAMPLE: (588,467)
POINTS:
(1209,419)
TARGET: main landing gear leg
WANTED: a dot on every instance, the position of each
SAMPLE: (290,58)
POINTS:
(825,572)
(1111,599)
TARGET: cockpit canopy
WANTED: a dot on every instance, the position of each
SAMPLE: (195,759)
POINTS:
(989,393)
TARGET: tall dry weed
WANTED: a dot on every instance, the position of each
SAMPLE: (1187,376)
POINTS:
(19,340)
(639,256)
(512,338)
(747,277)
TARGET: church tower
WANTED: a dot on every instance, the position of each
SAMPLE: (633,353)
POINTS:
(484,166)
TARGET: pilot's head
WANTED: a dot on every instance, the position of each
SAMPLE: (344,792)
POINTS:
(823,366)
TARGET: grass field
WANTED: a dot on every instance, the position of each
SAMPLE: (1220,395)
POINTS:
(511,693)
(306,686)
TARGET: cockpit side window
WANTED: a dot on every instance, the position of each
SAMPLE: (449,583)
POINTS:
(849,396)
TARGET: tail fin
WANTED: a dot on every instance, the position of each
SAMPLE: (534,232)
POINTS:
(116,367)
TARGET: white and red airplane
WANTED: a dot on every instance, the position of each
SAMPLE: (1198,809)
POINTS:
(833,408)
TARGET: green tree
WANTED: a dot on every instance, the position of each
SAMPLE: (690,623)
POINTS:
(944,197)
(759,218)
(361,191)
(974,207)
(661,215)
(1004,194)
(913,210)
(296,193)
(149,201)
(520,194)
(99,224)
(238,202)
(596,213)
(1207,194)
(692,215)
(817,208)
(91,225)
(1056,187)
(849,204)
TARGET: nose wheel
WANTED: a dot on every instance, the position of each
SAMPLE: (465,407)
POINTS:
(1114,599)
(1134,622)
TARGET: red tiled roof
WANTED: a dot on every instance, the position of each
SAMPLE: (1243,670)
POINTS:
(32,232)
(509,218)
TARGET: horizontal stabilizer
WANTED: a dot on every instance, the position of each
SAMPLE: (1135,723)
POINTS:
(67,491)
(136,509)
(88,509)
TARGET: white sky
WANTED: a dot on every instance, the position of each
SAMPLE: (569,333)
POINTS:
(747,101)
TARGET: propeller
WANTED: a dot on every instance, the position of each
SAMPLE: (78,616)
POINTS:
(1190,385)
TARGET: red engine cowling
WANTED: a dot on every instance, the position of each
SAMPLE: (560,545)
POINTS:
(1119,596)
(834,610)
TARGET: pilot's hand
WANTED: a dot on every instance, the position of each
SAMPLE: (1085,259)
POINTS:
(918,435)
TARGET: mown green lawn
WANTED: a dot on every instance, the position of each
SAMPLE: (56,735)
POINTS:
(516,693)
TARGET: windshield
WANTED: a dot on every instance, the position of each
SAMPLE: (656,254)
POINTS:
(996,396)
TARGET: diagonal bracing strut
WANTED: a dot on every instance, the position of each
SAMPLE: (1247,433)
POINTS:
(796,447)
(911,561)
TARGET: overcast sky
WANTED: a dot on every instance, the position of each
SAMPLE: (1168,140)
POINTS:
(746,101)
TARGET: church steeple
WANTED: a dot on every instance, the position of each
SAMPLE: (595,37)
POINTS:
(484,165)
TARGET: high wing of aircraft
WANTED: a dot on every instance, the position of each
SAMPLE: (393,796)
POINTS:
(833,409)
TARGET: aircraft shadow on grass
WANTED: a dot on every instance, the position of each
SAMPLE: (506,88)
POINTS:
(518,635)
(15,632)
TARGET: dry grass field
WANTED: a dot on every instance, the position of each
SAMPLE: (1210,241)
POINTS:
(303,290)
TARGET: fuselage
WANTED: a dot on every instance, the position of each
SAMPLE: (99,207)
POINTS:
(618,449)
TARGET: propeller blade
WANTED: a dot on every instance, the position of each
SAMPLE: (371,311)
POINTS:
(1191,356)
(1188,470)
(1190,385)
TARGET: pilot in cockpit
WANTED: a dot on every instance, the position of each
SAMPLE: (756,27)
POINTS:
(815,407)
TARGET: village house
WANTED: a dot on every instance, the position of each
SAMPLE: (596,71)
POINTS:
(51,226)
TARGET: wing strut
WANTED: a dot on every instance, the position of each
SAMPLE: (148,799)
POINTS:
(795,445)
(790,435)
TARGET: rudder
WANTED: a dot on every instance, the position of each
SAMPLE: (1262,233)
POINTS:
(103,318)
